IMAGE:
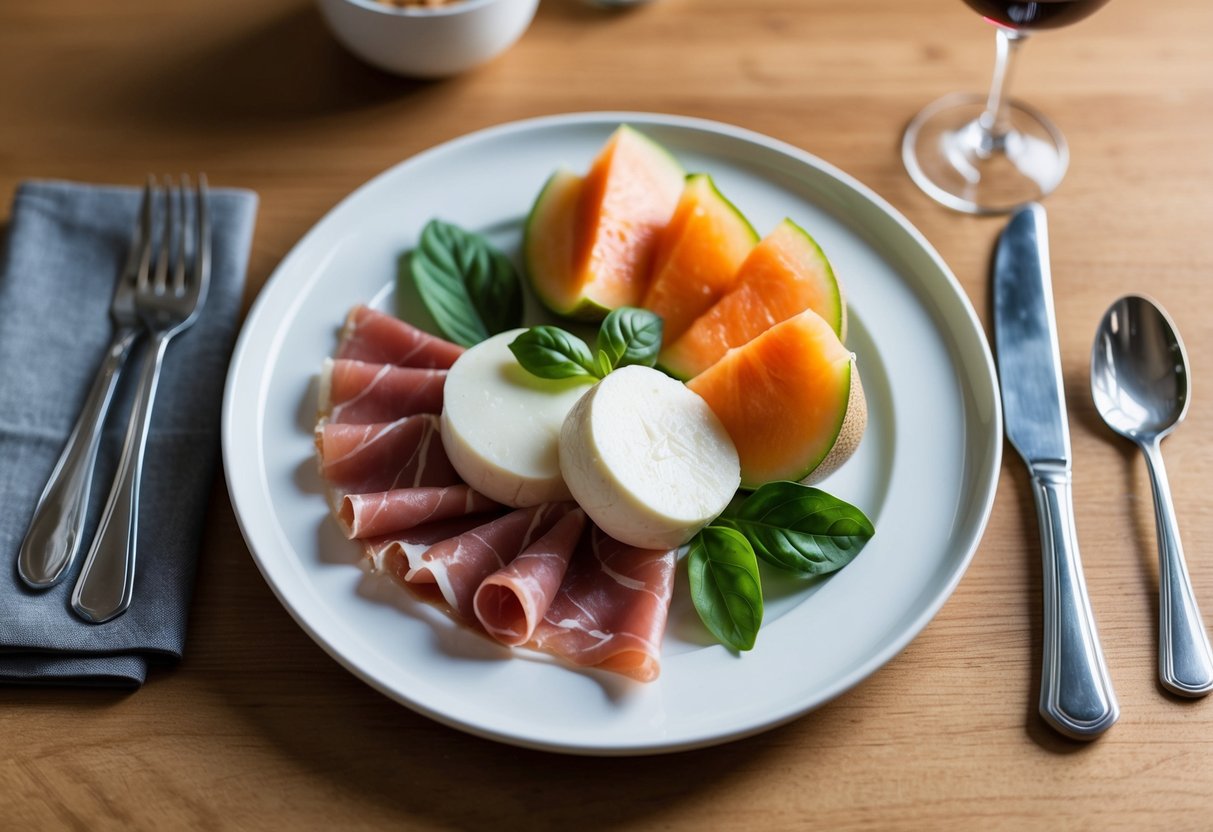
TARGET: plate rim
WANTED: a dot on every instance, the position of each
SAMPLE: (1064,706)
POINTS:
(985,486)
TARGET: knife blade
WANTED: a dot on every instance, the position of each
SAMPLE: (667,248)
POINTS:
(1076,695)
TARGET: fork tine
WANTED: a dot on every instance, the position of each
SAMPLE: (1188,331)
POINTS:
(162,259)
(178,287)
(134,254)
(145,227)
(202,260)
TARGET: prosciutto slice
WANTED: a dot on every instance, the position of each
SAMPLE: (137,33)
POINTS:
(359,393)
(612,608)
(401,509)
(377,338)
(391,552)
(460,564)
(511,602)
(361,459)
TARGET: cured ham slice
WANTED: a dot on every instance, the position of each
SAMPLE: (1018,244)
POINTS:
(377,338)
(530,576)
(460,564)
(356,392)
(612,608)
(362,459)
(401,509)
(511,602)
(391,552)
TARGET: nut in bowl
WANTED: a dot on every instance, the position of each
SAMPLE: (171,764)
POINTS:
(425,40)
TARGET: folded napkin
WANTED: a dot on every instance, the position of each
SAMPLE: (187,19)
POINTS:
(66,244)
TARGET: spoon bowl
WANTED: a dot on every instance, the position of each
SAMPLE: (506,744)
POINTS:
(1141,386)
(1139,370)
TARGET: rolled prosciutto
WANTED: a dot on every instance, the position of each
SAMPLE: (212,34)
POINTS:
(401,509)
(391,553)
(512,601)
(460,564)
(359,393)
(362,459)
(377,338)
(612,608)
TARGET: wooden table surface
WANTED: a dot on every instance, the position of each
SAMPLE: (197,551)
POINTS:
(258,728)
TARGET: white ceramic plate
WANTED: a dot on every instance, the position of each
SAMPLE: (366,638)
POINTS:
(925,472)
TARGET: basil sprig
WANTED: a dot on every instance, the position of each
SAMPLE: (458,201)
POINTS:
(550,352)
(628,336)
(725,586)
(790,526)
(470,288)
(799,528)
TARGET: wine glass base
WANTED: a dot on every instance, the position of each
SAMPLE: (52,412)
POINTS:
(966,168)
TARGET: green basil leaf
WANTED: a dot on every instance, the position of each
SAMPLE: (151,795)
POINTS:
(725,586)
(550,352)
(471,289)
(800,528)
(629,336)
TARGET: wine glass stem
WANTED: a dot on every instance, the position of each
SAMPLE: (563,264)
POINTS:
(994,123)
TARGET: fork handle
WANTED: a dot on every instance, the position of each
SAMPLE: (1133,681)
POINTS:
(103,590)
(1076,695)
(52,540)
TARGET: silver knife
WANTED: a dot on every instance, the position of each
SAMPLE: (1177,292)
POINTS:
(1076,695)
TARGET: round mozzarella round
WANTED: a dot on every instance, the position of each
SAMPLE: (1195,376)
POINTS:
(647,459)
(501,425)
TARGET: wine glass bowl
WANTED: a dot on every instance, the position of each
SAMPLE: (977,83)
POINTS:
(989,154)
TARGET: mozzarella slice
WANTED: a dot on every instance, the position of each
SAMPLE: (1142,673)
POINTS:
(647,459)
(501,425)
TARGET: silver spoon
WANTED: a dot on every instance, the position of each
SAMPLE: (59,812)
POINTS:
(1139,379)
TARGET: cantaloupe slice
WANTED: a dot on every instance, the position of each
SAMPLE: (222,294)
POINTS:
(785,274)
(589,241)
(698,255)
(791,401)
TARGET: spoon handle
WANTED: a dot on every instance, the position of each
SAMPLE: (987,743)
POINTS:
(1076,695)
(1185,661)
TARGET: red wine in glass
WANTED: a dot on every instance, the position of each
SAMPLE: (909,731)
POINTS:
(1031,17)
(987,154)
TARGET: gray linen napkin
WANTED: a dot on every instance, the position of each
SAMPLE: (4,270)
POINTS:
(65,246)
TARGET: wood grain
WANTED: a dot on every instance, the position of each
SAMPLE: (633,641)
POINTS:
(258,729)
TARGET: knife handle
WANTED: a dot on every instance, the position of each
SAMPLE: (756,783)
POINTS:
(1076,695)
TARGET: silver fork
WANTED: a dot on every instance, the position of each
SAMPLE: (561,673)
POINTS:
(168,302)
(53,538)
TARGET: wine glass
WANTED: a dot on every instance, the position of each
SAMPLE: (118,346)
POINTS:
(989,154)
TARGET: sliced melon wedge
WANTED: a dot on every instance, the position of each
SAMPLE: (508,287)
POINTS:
(785,274)
(790,399)
(698,255)
(589,241)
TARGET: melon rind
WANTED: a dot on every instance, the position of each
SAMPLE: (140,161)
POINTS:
(754,391)
(850,432)
(548,240)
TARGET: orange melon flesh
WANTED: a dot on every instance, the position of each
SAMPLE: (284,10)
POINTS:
(785,274)
(590,241)
(783,398)
(698,255)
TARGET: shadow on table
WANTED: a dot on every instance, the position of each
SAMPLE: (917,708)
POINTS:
(268,683)
(285,69)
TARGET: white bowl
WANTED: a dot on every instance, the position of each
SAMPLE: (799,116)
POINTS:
(428,42)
